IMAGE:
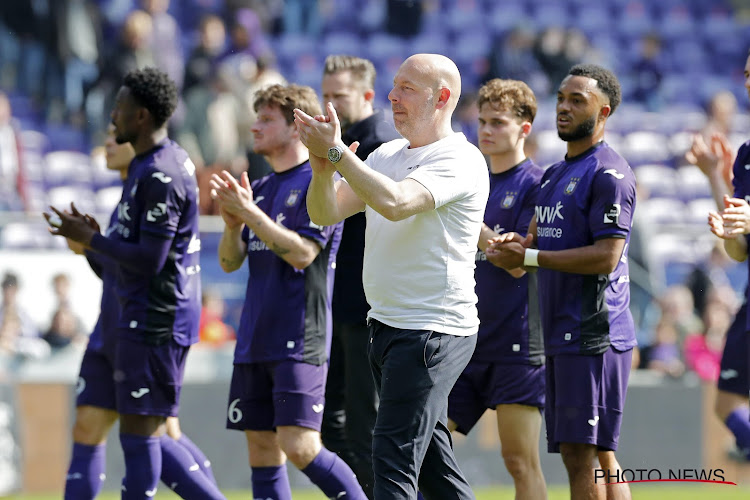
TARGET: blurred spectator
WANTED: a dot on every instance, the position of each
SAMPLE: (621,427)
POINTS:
(550,52)
(709,275)
(664,355)
(77,49)
(647,72)
(404,17)
(213,330)
(22,54)
(132,51)
(466,117)
(18,333)
(166,40)
(512,56)
(12,181)
(246,35)
(65,327)
(703,351)
(202,60)
(304,17)
(721,111)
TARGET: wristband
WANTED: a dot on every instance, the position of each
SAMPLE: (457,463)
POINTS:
(531,258)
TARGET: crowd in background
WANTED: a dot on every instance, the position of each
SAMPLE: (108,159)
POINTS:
(62,61)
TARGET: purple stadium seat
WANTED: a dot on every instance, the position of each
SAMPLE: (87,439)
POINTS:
(67,168)
(657,181)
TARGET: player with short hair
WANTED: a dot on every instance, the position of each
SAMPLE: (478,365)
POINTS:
(582,227)
(283,340)
(506,372)
(423,197)
(96,408)
(351,397)
(731,222)
(155,244)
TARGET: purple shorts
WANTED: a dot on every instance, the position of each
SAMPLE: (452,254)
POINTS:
(148,378)
(585,398)
(485,385)
(733,376)
(264,396)
(96,384)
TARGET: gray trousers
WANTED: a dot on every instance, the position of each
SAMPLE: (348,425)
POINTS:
(412,448)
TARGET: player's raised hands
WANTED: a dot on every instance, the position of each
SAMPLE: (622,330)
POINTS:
(233,197)
(70,224)
(736,216)
(319,133)
(714,158)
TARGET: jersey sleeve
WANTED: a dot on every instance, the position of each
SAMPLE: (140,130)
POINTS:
(612,202)
(163,202)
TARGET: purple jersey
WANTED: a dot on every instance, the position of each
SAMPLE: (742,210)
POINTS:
(509,328)
(160,198)
(741,184)
(287,312)
(581,200)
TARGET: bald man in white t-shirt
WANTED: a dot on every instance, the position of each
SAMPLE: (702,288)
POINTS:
(424,197)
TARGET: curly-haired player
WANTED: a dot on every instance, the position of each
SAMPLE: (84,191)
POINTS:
(153,242)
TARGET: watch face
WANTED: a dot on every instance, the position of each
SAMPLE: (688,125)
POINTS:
(334,155)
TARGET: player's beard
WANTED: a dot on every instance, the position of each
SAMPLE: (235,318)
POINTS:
(585,129)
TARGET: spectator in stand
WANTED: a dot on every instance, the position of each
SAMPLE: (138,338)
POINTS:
(166,40)
(721,111)
(12,181)
(664,354)
(202,61)
(703,351)
(512,57)
(647,73)
(76,46)
(65,327)
(18,333)
(213,330)
(132,51)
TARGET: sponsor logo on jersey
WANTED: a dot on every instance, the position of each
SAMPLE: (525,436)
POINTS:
(612,213)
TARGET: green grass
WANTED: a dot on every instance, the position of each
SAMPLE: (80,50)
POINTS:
(640,492)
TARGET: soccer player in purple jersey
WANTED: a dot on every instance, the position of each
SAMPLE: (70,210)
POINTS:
(96,409)
(283,340)
(731,222)
(506,372)
(424,197)
(156,246)
(582,228)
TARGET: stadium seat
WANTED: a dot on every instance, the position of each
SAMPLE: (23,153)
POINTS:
(645,147)
(698,211)
(657,181)
(693,185)
(107,199)
(61,197)
(67,167)
(661,211)
(23,235)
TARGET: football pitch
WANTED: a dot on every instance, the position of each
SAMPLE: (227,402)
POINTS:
(640,492)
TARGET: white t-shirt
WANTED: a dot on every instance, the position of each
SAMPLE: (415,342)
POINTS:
(419,272)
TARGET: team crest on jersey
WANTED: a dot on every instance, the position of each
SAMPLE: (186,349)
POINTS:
(293,197)
(572,185)
(510,199)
